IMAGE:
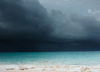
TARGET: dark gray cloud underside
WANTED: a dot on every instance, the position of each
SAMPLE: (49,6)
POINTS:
(20,20)
(25,25)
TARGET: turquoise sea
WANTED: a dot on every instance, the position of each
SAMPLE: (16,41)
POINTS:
(51,58)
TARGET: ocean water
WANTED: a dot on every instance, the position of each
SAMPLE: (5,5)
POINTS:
(51,58)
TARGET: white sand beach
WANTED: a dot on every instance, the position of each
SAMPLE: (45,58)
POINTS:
(49,68)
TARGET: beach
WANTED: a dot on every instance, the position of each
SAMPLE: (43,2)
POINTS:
(49,68)
(50,62)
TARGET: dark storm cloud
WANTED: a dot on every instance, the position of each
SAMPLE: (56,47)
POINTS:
(25,25)
(23,19)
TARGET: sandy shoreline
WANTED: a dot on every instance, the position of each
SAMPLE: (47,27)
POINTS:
(51,68)
(34,71)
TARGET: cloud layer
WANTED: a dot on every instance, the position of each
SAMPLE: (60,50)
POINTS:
(23,19)
(76,26)
(26,25)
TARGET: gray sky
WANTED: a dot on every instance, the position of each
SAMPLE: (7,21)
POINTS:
(82,7)
(25,25)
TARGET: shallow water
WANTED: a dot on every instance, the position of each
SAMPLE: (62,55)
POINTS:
(51,58)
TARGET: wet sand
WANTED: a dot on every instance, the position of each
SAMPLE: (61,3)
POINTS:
(49,68)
